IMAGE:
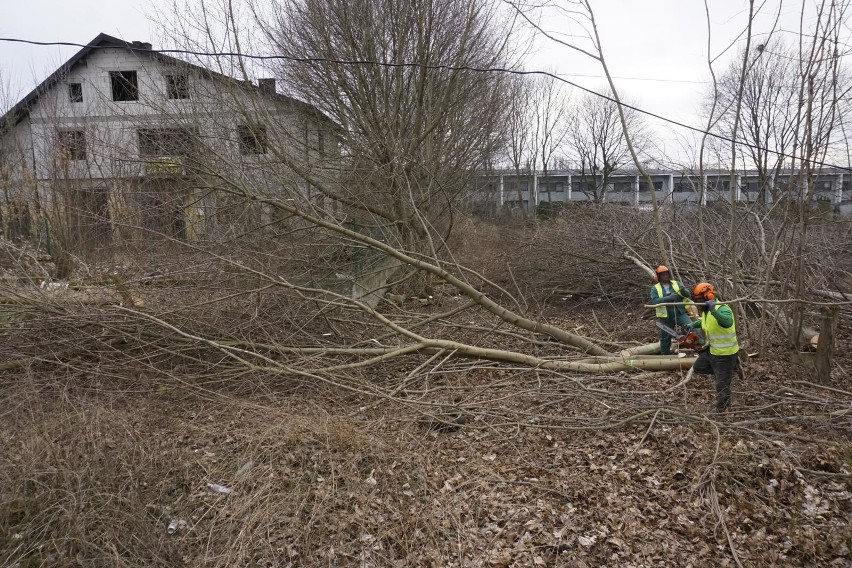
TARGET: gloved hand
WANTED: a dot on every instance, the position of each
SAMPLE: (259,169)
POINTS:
(711,304)
(671,298)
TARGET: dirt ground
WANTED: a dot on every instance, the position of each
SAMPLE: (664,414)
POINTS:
(548,469)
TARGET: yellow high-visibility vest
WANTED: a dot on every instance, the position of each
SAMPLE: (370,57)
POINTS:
(723,340)
(661,310)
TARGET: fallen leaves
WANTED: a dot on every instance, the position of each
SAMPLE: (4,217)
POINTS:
(370,492)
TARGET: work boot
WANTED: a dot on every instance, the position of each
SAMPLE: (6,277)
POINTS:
(722,415)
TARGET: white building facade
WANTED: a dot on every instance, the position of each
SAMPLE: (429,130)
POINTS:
(122,140)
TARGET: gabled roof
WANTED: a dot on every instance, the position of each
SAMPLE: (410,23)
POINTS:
(22,109)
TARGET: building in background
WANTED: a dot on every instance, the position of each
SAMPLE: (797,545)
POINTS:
(506,190)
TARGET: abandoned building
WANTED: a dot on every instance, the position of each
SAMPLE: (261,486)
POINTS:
(123,142)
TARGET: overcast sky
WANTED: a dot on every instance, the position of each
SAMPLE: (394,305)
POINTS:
(658,48)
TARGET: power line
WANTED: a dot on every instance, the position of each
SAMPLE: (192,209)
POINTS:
(650,79)
(439,67)
(262,57)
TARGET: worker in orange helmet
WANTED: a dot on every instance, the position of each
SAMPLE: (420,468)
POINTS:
(722,359)
(667,290)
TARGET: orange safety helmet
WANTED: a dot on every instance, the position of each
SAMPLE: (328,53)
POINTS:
(661,269)
(704,290)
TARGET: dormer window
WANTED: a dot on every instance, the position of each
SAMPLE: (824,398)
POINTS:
(125,86)
(75,92)
(177,86)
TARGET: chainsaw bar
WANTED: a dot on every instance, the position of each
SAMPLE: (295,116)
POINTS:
(688,340)
(669,330)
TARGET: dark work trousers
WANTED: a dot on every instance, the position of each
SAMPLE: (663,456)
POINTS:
(721,367)
(680,318)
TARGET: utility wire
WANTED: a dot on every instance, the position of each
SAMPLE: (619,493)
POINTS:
(441,67)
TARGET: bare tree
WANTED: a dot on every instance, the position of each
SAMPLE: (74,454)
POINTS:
(401,79)
(520,141)
(819,113)
(780,110)
(551,110)
(767,121)
(537,123)
(598,143)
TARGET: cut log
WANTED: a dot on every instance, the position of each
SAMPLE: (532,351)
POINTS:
(785,324)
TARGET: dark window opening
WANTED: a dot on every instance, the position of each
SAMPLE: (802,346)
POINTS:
(512,187)
(715,186)
(18,221)
(552,187)
(166,150)
(75,92)
(253,139)
(583,187)
(159,142)
(643,187)
(124,86)
(162,210)
(72,144)
(177,86)
(89,217)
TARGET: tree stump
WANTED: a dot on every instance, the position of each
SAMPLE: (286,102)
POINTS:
(825,343)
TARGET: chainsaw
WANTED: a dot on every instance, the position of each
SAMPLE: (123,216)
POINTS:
(689,339)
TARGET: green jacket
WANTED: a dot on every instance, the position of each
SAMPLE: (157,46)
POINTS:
(722,313)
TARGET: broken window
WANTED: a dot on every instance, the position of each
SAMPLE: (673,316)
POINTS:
(125,86)
(177,86)
(252,139)
(166,150)
(75,92)
(72,144)
(159,142)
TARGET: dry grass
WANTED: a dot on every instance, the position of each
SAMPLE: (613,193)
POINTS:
(114,426)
